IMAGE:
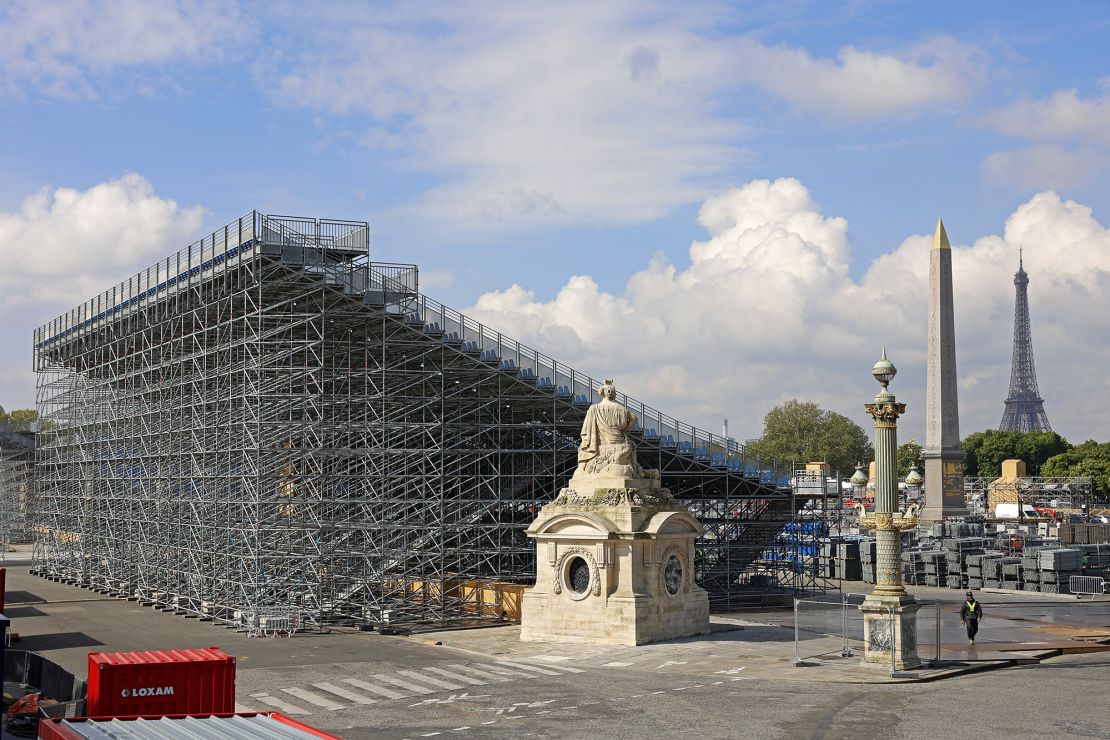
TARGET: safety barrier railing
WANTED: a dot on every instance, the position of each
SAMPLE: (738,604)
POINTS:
(1087,585)
(834,625)
(513,356)
(203,258)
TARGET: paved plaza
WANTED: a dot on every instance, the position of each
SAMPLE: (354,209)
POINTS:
(740,681)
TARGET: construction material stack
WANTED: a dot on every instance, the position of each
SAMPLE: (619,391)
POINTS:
(867,550)
(1011,574)
(956,552)
(1055,569)
(915,564)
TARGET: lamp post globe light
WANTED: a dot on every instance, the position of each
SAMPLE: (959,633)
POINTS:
(890,614)
(914,484)
(859,483)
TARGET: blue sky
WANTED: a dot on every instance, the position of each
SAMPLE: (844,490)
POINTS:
(549,164)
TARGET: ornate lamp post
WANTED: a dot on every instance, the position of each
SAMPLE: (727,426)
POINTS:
(914,482)
(859,483)
(890,614)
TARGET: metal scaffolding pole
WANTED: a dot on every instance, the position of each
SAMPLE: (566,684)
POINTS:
(266,428)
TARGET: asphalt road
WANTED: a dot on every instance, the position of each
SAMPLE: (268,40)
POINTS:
(361,685)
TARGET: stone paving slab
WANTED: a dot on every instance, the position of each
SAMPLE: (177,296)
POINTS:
(736,647)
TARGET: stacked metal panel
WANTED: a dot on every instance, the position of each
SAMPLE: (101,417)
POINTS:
(981,567)
(1055,567)
(867,550)
(916,563)
(956,552)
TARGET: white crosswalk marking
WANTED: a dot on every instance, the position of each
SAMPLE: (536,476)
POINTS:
(316,699)
(244,708)
(483,674)
(459,677)
(547,670)
(497,668)
(402,683)
(428,679)
(387,693)
(282,706)
(349,695)
(533,669)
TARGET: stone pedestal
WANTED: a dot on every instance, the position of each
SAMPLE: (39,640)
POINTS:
(614,565)
(882,634)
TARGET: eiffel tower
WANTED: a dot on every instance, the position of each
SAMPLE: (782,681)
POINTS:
(1024,406)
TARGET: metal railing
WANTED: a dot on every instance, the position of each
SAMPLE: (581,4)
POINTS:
(203,258)
(835,625)
(517,357)
(1087,585)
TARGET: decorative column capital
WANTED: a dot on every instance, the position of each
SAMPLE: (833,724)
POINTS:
(885,411)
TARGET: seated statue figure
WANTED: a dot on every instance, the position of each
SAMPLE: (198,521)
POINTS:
(606,448)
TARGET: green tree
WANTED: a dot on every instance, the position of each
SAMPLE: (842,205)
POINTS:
(985,451)
(796,431)
(909,456)
(18,416)
(1090,459)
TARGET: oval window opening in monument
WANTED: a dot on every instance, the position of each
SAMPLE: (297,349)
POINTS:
(672,575)
(578,575)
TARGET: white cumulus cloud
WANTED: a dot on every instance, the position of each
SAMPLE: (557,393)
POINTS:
(66,245)
(766,310)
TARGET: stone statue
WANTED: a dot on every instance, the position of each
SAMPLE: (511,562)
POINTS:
(606,448)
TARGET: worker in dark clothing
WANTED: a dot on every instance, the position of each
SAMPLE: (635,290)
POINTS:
(970,614)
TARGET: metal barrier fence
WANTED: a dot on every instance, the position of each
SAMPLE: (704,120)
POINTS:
(1087,585)
(834,625)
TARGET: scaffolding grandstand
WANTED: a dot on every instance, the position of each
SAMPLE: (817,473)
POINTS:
(268,427)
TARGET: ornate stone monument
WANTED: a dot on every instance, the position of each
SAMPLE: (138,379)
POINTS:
(614,551)
(889,613)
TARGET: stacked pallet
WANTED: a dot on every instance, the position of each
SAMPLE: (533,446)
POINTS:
(991,567)
(1055,567)
(980,565)
(841,558)
(916,565)
(867,559)
(1011,574)
(1096,558)
(1085,534)
(936,568)
(956,552)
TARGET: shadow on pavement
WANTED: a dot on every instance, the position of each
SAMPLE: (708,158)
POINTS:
(57,641)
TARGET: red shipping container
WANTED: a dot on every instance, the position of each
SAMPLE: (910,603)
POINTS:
(161,682)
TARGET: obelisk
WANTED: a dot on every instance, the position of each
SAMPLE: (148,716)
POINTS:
(943,456)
